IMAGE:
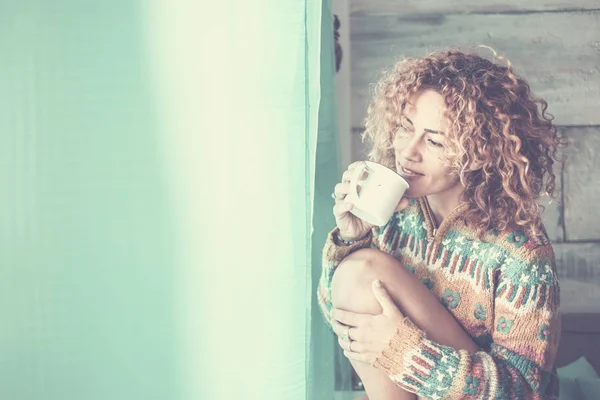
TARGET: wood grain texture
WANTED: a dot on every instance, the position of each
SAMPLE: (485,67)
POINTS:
(558,53)
(578,296)
(579,261)
(578,266)
(361,7)
(552,218)
(582,184)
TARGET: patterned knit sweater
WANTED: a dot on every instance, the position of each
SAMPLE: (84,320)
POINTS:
(503,290)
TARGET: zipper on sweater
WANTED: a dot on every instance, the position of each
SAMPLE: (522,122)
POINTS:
(450,220)
(430,219)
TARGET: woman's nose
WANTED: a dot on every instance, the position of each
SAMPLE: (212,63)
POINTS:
(409,149)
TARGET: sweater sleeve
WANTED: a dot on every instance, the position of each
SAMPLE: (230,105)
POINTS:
(333,253)
(519,363)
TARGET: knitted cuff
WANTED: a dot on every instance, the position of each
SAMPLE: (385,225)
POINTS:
(407,338)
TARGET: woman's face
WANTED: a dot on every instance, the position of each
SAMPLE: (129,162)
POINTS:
(420,150)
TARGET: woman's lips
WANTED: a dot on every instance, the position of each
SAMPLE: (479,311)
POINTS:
(408,173)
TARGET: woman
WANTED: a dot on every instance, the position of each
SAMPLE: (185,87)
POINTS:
(457,296)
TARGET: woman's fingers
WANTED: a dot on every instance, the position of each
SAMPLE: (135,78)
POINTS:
(354,346)
(347,175)
(366,358)
(341,209)
(343,343)
(340,190)
(338,328)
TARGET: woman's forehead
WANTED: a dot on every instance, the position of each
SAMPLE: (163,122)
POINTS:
(428,109)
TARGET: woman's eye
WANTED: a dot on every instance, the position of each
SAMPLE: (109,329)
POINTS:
(434,143)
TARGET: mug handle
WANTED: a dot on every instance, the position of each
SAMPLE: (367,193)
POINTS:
(354,180)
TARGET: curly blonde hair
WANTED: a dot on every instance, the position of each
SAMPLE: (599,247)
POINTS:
(502,143)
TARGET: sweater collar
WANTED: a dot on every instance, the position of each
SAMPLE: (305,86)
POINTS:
(434,232)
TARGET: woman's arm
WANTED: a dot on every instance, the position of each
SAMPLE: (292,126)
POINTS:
(519,364)
(333,253)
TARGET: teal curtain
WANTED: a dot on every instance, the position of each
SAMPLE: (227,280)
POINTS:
(327,174)
(157,178)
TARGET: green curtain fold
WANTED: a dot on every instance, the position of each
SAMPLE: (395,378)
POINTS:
(321,366)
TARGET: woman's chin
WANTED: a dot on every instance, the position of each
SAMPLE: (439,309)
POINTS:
(411,194)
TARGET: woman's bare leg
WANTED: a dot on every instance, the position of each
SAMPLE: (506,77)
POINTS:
(352,291)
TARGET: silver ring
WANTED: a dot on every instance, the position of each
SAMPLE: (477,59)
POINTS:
(333,196)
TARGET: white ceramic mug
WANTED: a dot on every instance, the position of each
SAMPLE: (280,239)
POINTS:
(380,192)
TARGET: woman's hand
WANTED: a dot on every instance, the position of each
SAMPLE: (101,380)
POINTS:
(364,336)
(351,227)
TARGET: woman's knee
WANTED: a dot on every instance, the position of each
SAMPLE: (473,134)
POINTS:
(352,281)
(352,290)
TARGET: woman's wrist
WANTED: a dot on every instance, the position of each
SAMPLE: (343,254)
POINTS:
(349,242)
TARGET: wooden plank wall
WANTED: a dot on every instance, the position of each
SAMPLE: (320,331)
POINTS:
(557,52)
(556,47)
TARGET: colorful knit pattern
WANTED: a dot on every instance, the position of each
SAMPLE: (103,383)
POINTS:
(502,289)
